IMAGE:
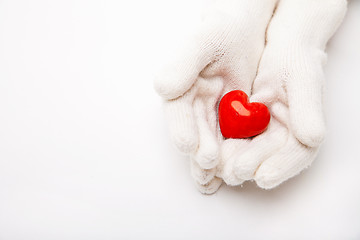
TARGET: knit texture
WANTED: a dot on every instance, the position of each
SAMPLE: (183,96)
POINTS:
(272,50)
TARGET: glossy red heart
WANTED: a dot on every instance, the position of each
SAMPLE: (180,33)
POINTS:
(239,118)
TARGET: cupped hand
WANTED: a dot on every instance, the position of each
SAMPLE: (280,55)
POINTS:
(223,56)
(289,82)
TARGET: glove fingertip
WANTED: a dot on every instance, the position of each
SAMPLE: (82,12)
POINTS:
(311,139)
(185,142)
(209,188)
(168,86)
(309,131)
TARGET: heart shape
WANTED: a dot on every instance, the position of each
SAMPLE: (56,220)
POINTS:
(238,118)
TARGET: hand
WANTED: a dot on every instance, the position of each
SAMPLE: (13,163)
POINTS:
(223,56)
(289,82)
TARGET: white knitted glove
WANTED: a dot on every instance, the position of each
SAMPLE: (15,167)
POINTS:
(223,56)
(289,82)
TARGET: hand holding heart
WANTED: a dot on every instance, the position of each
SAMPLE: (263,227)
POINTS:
(229,53)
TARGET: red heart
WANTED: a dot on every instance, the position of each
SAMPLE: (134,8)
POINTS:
(240,119)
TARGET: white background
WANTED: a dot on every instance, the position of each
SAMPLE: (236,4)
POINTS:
(84,148)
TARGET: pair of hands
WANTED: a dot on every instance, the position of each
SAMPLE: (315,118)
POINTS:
(274,51)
